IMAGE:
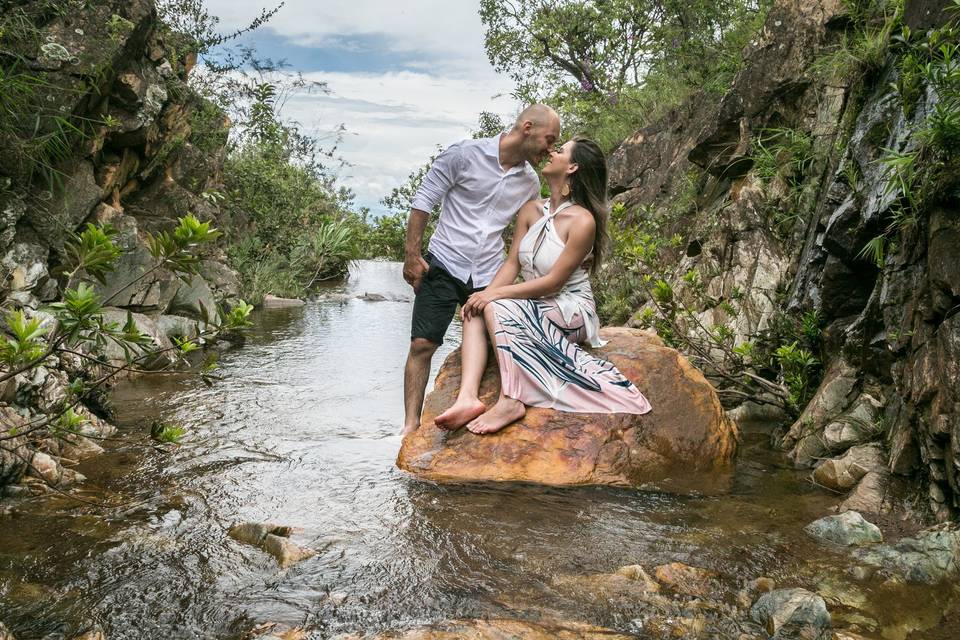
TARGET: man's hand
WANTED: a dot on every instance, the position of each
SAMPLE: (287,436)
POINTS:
(475,303)
(413,269)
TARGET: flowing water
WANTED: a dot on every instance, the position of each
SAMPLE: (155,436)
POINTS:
(302,431)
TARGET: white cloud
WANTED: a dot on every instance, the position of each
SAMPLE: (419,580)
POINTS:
(449,32)
(395,121)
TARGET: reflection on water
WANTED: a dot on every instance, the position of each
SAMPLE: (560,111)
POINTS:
(302,431)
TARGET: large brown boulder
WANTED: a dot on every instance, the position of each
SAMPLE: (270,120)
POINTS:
(686,443)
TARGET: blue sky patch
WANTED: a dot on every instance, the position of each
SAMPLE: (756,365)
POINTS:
(354,53)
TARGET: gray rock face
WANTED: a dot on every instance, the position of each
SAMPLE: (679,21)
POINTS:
(67,205)
(805,438)
(179,327)
(871,495)
(14,454)
(12,208)
(128,285)
(26,265)
(221,278)
(846,471)
(787,611)
(194,299)
(855,425)
(932,556)
(848,528)
(147,326)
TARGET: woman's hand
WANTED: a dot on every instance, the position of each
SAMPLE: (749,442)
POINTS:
(475,303)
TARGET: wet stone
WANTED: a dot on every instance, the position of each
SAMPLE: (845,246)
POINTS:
(272,538)
(792,611)
(681,578)
(932,556)
(273,302)
(285,550)
(498,629)
(846,471)
(848,528)
(6,634)
(636,573)
(274,631)
(96,633)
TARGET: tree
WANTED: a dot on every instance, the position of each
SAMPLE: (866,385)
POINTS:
(603,46)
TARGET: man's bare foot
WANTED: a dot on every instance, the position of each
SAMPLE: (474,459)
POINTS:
(506,411)
(462,412)
(408,428)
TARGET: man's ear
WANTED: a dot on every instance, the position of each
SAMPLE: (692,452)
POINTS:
(527,127)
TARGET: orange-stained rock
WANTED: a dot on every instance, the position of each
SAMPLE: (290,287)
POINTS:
(499,629)
(685,443)
(685,579)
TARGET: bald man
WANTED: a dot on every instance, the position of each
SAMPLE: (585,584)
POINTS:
(481,185)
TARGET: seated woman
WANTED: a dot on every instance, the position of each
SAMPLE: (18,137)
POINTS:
(536,325)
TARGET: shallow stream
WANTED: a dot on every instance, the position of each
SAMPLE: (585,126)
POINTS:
(302,431)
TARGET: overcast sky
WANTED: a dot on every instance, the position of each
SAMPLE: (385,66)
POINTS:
(404,76)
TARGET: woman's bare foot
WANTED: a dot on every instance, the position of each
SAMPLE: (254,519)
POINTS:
(462,412)
(506,411)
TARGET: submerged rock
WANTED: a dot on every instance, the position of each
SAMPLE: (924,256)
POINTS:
(273,302)
(932,556)
(681,578)
(787,611)
(498,629)
(96,633)
(636,573)
(275,631)
(848,529)
(272,538)
(685,443)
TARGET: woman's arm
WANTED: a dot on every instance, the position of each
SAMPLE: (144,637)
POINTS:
(579,243)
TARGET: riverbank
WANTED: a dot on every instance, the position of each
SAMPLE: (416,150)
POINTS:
(302,431)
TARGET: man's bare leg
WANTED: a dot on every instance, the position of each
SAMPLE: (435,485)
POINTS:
(415,376)
(473,356)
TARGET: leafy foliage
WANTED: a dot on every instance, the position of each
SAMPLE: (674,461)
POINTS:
(609,66)
(927,168)
(300,228)
(25,343)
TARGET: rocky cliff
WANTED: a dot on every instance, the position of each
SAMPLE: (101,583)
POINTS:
(99,125)
(788,239)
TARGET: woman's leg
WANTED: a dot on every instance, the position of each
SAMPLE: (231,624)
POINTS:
(507,410)
(473,355)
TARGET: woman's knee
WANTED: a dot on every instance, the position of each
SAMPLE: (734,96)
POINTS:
(490,311)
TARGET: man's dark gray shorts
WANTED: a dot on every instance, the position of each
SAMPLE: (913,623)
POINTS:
(437,301)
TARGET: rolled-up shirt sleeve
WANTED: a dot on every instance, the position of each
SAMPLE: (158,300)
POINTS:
(439,179)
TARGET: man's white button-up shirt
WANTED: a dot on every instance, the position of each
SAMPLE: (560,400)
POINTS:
(479,200)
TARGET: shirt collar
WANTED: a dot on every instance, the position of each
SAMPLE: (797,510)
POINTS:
(492,147)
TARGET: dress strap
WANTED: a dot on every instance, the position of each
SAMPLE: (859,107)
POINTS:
(563,205)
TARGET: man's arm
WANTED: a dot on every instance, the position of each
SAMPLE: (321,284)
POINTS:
(439,180)
(414,266)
